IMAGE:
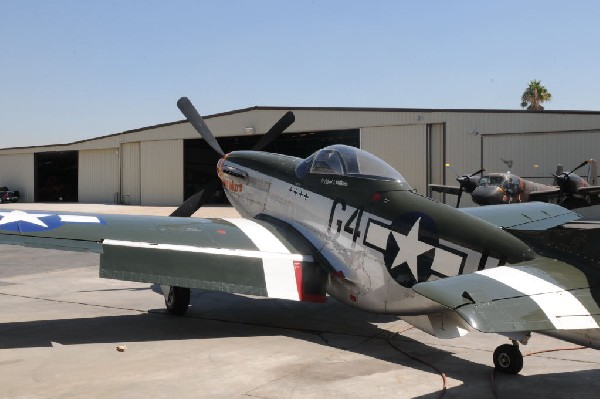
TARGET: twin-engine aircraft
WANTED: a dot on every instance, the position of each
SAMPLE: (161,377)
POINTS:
(344,223)
(569,190)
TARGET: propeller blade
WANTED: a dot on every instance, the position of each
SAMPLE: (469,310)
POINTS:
(189,111)
(274,132)
(192,204)
(459,195)
(579,166)
(476,173)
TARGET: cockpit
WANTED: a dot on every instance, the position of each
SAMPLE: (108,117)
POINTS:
(508,182)
(496,180)
(348,161)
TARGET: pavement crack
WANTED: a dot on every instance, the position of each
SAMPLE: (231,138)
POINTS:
(71,302)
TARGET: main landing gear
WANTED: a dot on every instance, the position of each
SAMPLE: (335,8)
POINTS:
(177,299)
(508,358)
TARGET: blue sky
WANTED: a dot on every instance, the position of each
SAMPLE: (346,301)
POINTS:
(72,70)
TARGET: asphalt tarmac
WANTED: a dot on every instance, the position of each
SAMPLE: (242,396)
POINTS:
(60,327)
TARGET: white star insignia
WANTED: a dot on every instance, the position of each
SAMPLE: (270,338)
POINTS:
(410,248)
(20,216)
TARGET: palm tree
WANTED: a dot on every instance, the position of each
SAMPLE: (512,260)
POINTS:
(534,95)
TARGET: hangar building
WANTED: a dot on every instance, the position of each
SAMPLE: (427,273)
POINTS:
(164,164)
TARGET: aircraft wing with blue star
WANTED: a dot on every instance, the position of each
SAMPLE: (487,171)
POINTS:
(234,255)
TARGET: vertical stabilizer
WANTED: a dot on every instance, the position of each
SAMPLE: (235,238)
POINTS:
(559,169)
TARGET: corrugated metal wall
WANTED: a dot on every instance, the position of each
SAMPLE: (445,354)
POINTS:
(151,163)
(131,173)
(459,123)
(16,172)
(403,147)
(98,176)
(535,156)
(162,172)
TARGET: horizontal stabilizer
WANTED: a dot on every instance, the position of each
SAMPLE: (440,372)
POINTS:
(525,216)
(542,294)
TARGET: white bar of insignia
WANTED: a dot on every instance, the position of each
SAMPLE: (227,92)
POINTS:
(446,262)
(377,235)
(79,219)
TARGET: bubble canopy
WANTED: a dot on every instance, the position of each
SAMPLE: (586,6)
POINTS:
(348,161)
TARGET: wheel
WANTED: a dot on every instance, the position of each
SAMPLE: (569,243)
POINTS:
(508,359)
(177,300)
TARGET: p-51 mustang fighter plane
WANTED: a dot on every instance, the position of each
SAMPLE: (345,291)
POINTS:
(343,222)
(569,190)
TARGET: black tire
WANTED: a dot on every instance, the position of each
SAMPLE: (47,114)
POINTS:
(177,300)
(508,359)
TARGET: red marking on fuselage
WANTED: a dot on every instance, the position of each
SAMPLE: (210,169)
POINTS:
(232,186)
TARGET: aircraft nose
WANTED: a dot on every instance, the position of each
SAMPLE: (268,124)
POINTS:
(488,195)
(226,169)
(220,163)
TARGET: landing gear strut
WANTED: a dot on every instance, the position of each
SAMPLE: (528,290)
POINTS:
(508,358)
(177,299)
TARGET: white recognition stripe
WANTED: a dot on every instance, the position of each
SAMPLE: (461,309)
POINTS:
(213,251)
(560,306)
(280,276)
(259,235)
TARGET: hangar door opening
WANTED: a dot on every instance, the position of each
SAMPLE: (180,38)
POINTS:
(56,176)
(200,161)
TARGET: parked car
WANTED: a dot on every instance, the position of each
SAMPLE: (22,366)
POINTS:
(8,196)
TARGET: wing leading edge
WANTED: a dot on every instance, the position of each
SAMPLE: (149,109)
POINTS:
(233,255)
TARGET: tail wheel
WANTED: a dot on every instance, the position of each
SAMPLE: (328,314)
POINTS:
(177,300)
(508,359)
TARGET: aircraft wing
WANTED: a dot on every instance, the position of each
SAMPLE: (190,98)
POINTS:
(524,216)
(454,190)
(544,195)
(233,255)
(591,190)
(542,294)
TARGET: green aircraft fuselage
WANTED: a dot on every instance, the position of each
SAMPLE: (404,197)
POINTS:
(367,223)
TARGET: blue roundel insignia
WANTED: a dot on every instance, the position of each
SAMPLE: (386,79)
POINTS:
(24,222)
